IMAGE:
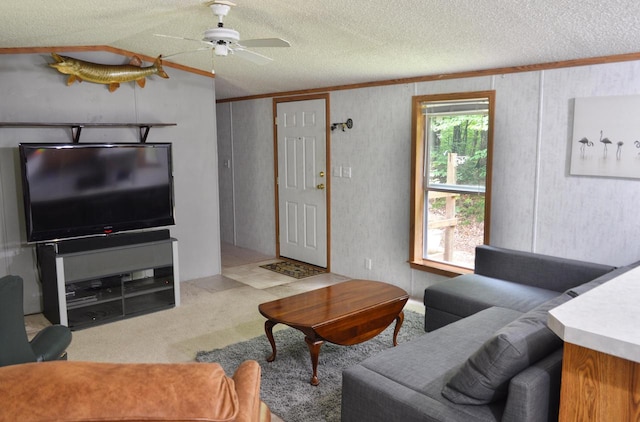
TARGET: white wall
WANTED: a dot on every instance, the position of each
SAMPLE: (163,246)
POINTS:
(536,206)
(33,92)
(247,141)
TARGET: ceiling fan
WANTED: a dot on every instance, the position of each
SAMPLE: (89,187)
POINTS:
(226,40)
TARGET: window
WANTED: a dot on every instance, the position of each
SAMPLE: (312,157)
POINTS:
(451,179)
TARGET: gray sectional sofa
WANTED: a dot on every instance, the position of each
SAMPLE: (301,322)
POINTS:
(488,354)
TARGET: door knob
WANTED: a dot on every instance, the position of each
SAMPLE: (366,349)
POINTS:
(320,186)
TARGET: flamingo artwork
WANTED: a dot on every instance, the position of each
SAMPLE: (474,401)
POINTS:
(586,143)
(619,150)
(605,141)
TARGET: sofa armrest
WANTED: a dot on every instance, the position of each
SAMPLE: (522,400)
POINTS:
(534,394)
(544,271)
(51,342)
(247,380)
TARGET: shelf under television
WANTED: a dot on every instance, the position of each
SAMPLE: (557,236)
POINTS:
(147,285)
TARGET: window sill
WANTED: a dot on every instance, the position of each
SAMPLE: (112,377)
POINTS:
(439,268)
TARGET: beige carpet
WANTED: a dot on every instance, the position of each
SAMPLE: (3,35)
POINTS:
(214,312)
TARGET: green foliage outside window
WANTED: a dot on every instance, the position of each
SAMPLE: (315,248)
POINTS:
(466,136)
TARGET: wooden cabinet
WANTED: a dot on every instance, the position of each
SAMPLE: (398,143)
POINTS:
(598,387)
(601,361)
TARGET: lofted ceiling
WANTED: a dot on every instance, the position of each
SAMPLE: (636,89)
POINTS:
(336,42)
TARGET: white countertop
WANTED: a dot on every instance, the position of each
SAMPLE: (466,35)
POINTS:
(606,318)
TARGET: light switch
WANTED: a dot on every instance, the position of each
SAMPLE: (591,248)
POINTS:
(346,172)
(336,171)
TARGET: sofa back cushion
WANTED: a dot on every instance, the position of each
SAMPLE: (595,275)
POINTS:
(91,391)
(485,376)
(14,347)
(533,269)
(583,288)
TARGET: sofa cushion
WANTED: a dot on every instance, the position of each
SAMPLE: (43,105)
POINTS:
(484,377)
(467,294)
(405,382)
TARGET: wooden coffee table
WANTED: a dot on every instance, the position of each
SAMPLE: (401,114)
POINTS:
(346,313)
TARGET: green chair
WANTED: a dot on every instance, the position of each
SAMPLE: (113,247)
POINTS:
(49,344)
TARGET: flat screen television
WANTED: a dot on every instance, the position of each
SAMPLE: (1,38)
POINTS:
(75,190)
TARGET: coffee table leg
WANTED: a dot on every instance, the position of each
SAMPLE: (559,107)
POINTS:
(399,321)
(268,329)
(314,349)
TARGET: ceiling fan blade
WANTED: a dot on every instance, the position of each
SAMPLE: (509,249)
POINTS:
(265,42)
(186,52)
(183,38)
(252,56)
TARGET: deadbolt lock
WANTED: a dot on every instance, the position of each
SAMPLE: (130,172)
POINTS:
(322,174)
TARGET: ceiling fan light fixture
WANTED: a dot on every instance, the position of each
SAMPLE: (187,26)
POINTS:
(224,34)
(221,50)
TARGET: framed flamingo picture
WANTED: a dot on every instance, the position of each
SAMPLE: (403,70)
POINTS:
(606,137)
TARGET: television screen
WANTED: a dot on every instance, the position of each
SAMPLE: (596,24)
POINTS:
(73,190)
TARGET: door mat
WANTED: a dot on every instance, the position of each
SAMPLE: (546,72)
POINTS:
(293,269)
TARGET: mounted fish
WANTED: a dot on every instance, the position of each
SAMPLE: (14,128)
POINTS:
(112,75)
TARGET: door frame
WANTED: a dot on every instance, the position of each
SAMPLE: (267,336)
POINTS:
(276,101)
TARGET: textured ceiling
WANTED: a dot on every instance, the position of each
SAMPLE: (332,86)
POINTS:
(336,42)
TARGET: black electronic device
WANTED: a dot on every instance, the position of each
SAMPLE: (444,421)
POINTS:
(75,190)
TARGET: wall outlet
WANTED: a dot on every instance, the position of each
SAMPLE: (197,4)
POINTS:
(368,263)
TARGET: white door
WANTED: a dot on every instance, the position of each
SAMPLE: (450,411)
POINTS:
(302,180)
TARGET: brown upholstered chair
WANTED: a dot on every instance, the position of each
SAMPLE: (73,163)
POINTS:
(80,391)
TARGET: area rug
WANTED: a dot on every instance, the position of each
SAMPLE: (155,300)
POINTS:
(293,269)
(285,382)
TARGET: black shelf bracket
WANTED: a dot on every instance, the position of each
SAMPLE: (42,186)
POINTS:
(75,133)
(144,132)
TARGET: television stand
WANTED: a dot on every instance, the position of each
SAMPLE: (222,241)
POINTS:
(91,281)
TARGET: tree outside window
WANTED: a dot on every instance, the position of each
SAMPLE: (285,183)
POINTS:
(451,179)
